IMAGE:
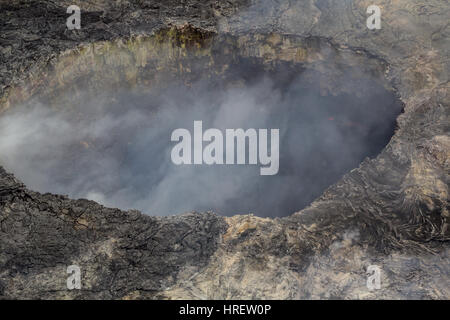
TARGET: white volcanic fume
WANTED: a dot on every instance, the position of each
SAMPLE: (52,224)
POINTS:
(115,148)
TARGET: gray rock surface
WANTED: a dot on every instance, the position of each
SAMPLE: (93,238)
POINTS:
(391,211)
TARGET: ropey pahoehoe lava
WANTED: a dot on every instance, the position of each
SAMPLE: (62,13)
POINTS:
(361,180)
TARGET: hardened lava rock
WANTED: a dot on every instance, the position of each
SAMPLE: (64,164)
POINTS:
(392,211)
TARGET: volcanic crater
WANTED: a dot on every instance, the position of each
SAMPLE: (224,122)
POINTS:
(382,200)
(97,122)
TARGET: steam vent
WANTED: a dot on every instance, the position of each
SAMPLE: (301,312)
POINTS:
(358,179)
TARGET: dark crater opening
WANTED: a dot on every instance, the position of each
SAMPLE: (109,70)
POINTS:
(98,124)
